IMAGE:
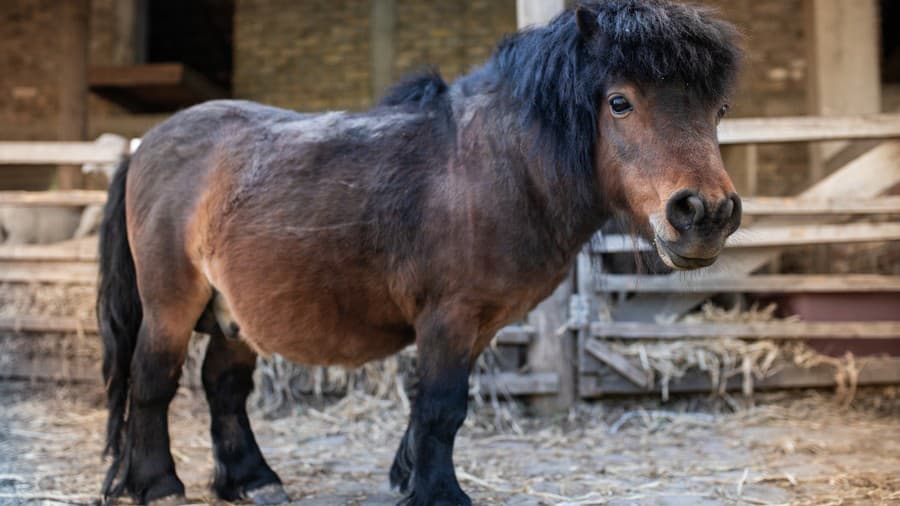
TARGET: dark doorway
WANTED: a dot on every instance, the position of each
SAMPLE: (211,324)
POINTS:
(197,33)
(890,41)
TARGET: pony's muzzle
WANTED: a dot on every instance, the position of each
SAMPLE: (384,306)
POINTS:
(701,225)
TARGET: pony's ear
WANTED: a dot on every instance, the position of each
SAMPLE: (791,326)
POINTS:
(586,19)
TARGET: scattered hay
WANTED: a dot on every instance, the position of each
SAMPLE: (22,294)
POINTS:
(724,358)
(790,448)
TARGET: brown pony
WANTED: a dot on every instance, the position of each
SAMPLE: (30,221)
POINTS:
(436,218)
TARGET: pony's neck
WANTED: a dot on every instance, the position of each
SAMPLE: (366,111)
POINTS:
(523,164)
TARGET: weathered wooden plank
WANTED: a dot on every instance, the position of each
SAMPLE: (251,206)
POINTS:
(873,371)
(73,198)
(515,335)
(51,153)
(552,351)
(781,330)
(80,250)
(759,237)
(788,283)
(76,273)
(548,352)
(616,361)
(800,207)
(537,12)
(26,323)
(507,336)
(536,383)
(73,24)
(843,67)
(808,128)
(153,85)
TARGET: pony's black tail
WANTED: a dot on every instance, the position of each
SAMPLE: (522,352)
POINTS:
(119,316)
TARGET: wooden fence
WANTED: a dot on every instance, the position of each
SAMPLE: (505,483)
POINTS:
(564,366)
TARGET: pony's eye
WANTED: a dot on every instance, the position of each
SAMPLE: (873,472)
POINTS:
(722,112)
(620,106)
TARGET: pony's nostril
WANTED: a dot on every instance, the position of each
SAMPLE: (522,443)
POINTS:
(734,215)
(684,210)
(727,208)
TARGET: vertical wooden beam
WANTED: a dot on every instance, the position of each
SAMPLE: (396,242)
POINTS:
(742,164)
(74,22)
(382,45)
(843,66)
(131,32)
(537,12)
(554,348)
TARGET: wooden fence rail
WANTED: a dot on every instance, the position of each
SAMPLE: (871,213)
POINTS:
(808,129)
(780,283)
(755,330)
(70,198)
(59,153)
(772,236)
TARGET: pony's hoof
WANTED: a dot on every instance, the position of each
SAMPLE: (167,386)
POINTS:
(169,500)
(269,494)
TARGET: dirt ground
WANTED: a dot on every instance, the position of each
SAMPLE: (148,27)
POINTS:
(797,448)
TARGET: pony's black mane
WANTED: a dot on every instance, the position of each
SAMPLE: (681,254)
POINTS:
(421,90)
(555,75)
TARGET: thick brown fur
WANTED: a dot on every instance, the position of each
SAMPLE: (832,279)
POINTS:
(437,217)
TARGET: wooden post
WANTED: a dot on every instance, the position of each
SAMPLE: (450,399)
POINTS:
(742,164)
(551,350)
(383,21)
(554,349)
(843,49)
(537,12)
(73,23)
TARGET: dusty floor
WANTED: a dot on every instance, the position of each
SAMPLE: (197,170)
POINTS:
(789,449)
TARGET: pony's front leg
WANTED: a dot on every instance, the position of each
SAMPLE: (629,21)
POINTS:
(445,348)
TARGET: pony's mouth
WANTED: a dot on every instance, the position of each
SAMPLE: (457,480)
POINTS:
(682,263)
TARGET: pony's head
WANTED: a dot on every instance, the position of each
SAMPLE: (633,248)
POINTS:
(664,71)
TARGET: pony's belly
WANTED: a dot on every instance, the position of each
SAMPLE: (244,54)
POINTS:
(323,327)
(346,347)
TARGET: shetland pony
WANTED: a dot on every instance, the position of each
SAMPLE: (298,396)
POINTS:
(437,217)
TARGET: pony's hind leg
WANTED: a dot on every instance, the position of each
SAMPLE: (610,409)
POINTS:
(241,470)
(172,300)
(155,370)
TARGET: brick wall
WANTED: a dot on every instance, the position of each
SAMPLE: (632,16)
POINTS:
(28,64)
(773,81)
(29,77)
(316,55)
(453,35)
(310,55)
